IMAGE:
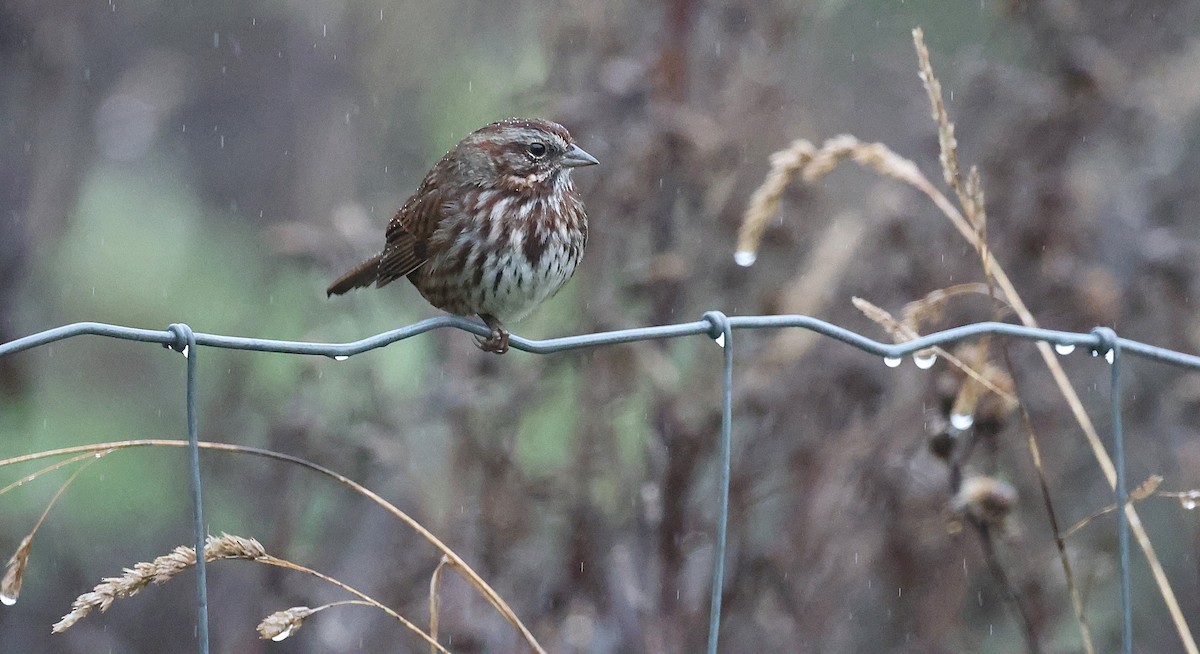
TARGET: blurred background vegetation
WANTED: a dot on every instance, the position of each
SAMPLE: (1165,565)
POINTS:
(216,163)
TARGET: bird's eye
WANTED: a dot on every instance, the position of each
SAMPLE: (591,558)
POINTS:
(537,149)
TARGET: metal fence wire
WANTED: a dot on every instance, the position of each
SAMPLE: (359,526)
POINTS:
(1101,341)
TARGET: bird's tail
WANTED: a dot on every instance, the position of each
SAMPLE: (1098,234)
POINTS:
(365,274)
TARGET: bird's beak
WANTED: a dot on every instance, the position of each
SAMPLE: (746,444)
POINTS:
(576,157)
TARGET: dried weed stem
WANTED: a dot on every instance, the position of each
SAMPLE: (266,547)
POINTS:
(460,566)
(14,573)
(216,548)
(802,159)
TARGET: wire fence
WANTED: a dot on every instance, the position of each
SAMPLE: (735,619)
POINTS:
(1102,341)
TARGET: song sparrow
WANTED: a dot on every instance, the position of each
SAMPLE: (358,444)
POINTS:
(494,229)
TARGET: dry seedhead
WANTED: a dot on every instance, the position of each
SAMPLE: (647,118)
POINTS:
(281,624)
(103,595)
(276,626)
(764,202)
(970,221)
(970,192)
(986,499)
(802,159)
(14,574)
(947,144)
(158,571)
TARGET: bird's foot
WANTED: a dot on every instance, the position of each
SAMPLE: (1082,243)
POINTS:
(498,341)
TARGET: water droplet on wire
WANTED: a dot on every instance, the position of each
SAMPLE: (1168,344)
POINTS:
(7,600)
(184,351)
(720,340)
(1110,356)
(961,421)
(925,362)
(1064,348)
(891,362)
(340,357)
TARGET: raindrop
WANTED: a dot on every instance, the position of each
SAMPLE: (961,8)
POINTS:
(1110,356)
(961,421)
(924,362)
(283,634)
(184,351)
(340,357)
(744,258)
(891,362)
(720,340)
(7,600)
(1064,348)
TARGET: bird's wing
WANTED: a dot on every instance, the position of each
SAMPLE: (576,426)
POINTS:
(408,234)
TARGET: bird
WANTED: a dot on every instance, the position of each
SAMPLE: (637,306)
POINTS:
(494,229)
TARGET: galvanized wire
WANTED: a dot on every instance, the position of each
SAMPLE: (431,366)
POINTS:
(185,344)
(714,325)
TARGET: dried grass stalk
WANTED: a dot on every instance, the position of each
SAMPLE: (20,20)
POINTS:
(972,228)
(158,571)
(435,583)
(460,566)
(902,333)
(928,309)
(14,573)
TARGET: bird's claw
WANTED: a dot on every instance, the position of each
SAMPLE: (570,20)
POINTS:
(497,342)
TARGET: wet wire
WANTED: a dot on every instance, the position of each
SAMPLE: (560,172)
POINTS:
(714,325)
